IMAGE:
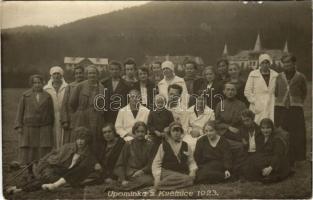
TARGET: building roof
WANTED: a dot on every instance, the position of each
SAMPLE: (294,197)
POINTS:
(99,61)
(175,59)
(76,60)
(276,54)
(73,60)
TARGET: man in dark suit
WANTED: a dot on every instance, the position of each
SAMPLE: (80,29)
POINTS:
(116,90)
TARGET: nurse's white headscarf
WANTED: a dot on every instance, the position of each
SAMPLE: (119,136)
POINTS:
(168,64)
(265,56)
(56,69)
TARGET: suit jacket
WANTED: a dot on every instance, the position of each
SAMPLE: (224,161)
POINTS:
(151,92)
(213,96)
(119,95)
(244,133)
(33,113)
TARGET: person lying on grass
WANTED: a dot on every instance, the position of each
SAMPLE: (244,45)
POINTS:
(71,164)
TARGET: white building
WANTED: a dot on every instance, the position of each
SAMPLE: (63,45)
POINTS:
(100,63)
(248,59)
(178,61)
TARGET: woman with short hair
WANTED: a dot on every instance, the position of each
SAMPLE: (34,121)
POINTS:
(234,77)
(213,156)
(34,122)
(270,163)
(71,164)
(133,166)
(109,153)
(67,113)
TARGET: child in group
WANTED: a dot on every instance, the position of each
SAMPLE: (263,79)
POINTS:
(213,156)
(133,166)
(173,166)
(159,119)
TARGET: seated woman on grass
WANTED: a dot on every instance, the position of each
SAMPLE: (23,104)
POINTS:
(133,166)
(71,164)
(213,156)
(270,163)
(173,166)
(108,155)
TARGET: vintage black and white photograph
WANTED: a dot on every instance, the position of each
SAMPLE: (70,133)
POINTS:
(156,99)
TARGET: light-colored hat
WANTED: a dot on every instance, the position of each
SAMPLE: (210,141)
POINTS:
(265,56)
(56,69)
(168,64)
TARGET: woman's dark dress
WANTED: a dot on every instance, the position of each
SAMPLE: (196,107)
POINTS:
(212,161)
(274,153)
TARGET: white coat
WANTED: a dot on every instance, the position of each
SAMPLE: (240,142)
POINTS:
(163,89)
(125,120)
(196,123)
(57,99)
(261,96)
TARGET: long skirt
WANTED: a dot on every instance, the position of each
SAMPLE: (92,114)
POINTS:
(238,154)
(257,162)
(58,131)
(171,180)
(212,172)
(134,183)
(34,143)
(292,120)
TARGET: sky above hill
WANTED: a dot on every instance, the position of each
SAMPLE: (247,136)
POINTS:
(54,13)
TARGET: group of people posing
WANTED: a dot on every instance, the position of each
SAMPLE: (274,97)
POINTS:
(152,127)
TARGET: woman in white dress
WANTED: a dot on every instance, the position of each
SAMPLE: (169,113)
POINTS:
(56,88)
(198,115)
(260,89)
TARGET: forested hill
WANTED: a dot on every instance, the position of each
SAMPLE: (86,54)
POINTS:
(159,28)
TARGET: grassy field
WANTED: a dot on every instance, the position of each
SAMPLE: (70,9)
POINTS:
(297,186)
